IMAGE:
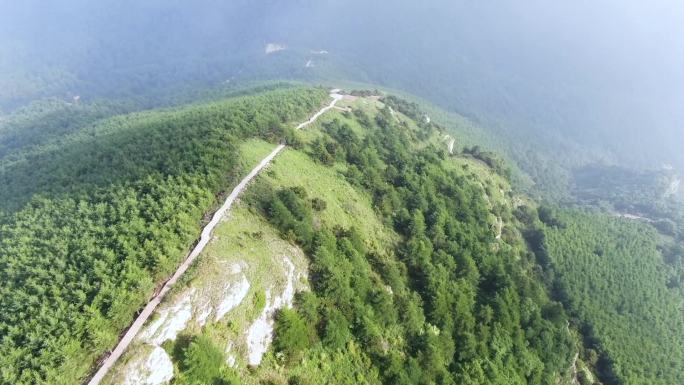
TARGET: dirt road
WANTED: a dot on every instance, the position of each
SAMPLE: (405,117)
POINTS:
(196,251)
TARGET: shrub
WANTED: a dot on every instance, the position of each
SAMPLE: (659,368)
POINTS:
(202,361)
(291,334)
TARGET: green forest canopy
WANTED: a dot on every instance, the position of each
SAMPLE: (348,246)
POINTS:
(94,220)
(612,276)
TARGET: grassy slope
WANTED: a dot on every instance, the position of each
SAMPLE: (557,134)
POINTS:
(346,207)
(234,242)
(466,130)
(96,152)
(296,168)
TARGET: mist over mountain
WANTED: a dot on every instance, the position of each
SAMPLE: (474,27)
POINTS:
(605,74)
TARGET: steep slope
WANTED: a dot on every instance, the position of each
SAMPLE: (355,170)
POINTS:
(379,247)
(410,262)
(616,278)
(441,300)
(95,219)
(205,237)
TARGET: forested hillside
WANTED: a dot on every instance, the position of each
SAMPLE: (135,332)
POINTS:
(424,265)
(505,207)
(93,218)
(418,272)
(445,303)
(624,291)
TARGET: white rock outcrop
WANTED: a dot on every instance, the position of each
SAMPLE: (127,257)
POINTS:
(171,321)
(233,296)
(260,333)
(156,369)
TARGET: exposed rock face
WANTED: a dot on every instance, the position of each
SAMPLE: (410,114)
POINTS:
(260,333)
(673,188)
(233,296)
(157,369)
(171,321)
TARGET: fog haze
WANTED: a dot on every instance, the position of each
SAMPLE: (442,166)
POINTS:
(605,74)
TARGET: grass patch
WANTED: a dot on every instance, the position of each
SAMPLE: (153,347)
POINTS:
(252,151)
(345,206)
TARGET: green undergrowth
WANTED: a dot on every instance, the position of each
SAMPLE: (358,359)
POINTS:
(252,151)
(345,206)
(91,221)
(408,281)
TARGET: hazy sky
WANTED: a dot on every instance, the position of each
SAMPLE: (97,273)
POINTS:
(609,64)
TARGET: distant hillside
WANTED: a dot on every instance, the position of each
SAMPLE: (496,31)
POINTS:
(624,287)
(560,96)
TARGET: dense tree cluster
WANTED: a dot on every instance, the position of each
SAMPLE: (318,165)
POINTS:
(491,159)
(625,294)
(440,305)
(47,120)
(95,220)
(203,363)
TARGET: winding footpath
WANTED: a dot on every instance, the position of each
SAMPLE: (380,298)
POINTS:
(205,237)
